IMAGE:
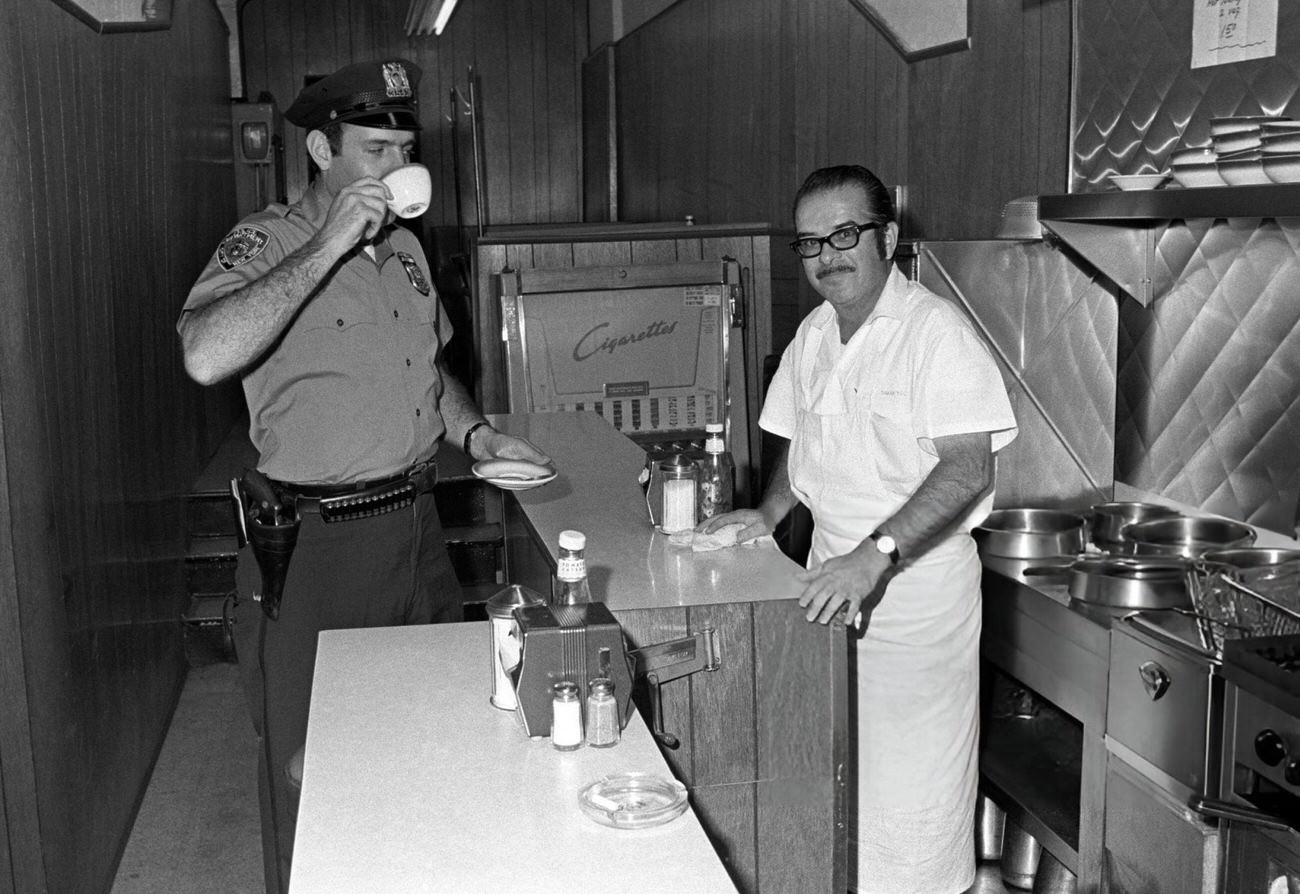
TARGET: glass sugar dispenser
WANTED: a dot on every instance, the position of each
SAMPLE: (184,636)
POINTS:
(670,494)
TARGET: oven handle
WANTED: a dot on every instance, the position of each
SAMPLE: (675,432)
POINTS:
(1236,812)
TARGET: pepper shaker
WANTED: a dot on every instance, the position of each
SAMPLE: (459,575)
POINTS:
(602,714)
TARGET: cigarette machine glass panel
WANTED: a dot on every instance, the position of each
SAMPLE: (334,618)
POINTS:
(645,346)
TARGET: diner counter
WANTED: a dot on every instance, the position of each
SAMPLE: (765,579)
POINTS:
(413,782)
(630,565)
(412,779)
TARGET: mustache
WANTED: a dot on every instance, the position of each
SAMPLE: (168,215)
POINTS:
(838,268)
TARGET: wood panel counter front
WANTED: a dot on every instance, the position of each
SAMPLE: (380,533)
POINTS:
(765,739)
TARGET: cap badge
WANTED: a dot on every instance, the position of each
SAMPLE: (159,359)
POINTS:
(395,81)
(414,273)
(241,245)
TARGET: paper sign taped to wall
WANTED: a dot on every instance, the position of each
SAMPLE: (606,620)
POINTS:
(1232,31)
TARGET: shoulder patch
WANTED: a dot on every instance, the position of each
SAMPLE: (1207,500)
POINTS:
(241,245)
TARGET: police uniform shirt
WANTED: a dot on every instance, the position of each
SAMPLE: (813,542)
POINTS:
(351,391)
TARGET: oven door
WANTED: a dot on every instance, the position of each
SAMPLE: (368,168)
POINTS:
(1261,853)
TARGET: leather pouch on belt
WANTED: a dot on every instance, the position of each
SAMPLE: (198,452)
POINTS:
(272,530)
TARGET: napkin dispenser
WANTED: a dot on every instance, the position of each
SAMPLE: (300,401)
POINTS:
(579,643)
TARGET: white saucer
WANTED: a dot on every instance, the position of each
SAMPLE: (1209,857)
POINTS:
(513,474)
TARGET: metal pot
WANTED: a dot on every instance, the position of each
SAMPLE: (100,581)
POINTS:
(1124,582)
(1030,533)
(1109,519)
(1255,558)
(990,826)
(1190,537)
(1052,876)
(1020,856)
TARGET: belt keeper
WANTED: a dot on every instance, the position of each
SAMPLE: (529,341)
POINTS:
(469,433)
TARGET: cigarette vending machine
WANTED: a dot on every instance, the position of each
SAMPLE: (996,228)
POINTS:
(649,347)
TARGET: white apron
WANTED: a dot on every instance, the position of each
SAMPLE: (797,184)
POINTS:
(917,668)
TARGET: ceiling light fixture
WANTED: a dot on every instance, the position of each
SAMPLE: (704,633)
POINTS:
(421,18)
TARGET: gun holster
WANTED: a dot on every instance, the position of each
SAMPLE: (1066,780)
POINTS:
(270,525)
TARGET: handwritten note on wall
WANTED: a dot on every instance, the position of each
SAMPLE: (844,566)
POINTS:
(1232,31)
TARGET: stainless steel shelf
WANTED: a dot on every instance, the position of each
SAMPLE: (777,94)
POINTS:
(1032,768)
(1117,231)
(1277,200)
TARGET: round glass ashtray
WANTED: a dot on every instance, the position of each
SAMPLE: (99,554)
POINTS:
(633,800)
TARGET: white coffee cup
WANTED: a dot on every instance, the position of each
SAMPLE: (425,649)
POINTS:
(411,187)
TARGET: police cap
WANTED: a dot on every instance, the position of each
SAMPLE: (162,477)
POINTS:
(371,94)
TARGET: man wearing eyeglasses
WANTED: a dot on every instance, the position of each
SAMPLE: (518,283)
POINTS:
(894,409)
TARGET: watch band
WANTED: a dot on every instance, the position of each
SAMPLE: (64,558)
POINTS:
(469,433)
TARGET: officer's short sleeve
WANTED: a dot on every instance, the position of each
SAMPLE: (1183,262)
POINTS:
(246,254)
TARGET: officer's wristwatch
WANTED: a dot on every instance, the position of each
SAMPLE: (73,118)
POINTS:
(886,545)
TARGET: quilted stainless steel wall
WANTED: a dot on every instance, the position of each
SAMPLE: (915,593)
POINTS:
(1209,375)
(1052,328)
(1136,97)
(1208,384)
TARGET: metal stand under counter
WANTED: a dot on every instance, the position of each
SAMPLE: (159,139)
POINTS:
(1048,773)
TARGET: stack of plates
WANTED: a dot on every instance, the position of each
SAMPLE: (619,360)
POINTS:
(1240,153)
(1280,148)
(1138,181)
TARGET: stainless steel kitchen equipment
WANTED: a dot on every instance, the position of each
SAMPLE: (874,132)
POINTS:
(1129,582)
(1020,856)
(1259,792)
(1030,533)
(1053,876)
(1185,536)
(1109,519)
(990,829)
(1245,593)
(1165,702)
(1164,720)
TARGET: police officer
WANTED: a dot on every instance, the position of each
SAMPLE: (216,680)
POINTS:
(326,312)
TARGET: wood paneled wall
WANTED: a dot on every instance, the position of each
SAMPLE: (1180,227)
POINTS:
(527,60)
(991,124)
(725,105)
(115,169)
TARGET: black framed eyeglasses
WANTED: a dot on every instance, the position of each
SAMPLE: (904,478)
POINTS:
(842,239)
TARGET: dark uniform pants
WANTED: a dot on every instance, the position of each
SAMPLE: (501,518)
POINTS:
(382,571)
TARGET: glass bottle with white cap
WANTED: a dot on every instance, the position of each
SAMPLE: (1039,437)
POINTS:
(717,473)
(570,585)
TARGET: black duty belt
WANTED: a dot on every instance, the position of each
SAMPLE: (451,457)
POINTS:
(362,499)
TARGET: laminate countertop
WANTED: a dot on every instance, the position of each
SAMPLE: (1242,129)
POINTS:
(414,782)
(631,565)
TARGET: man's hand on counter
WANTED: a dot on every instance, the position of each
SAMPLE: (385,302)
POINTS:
(755,522)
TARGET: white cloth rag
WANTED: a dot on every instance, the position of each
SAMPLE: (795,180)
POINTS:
(719,539)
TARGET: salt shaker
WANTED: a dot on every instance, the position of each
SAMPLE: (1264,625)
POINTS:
(566,716)
(602,714)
